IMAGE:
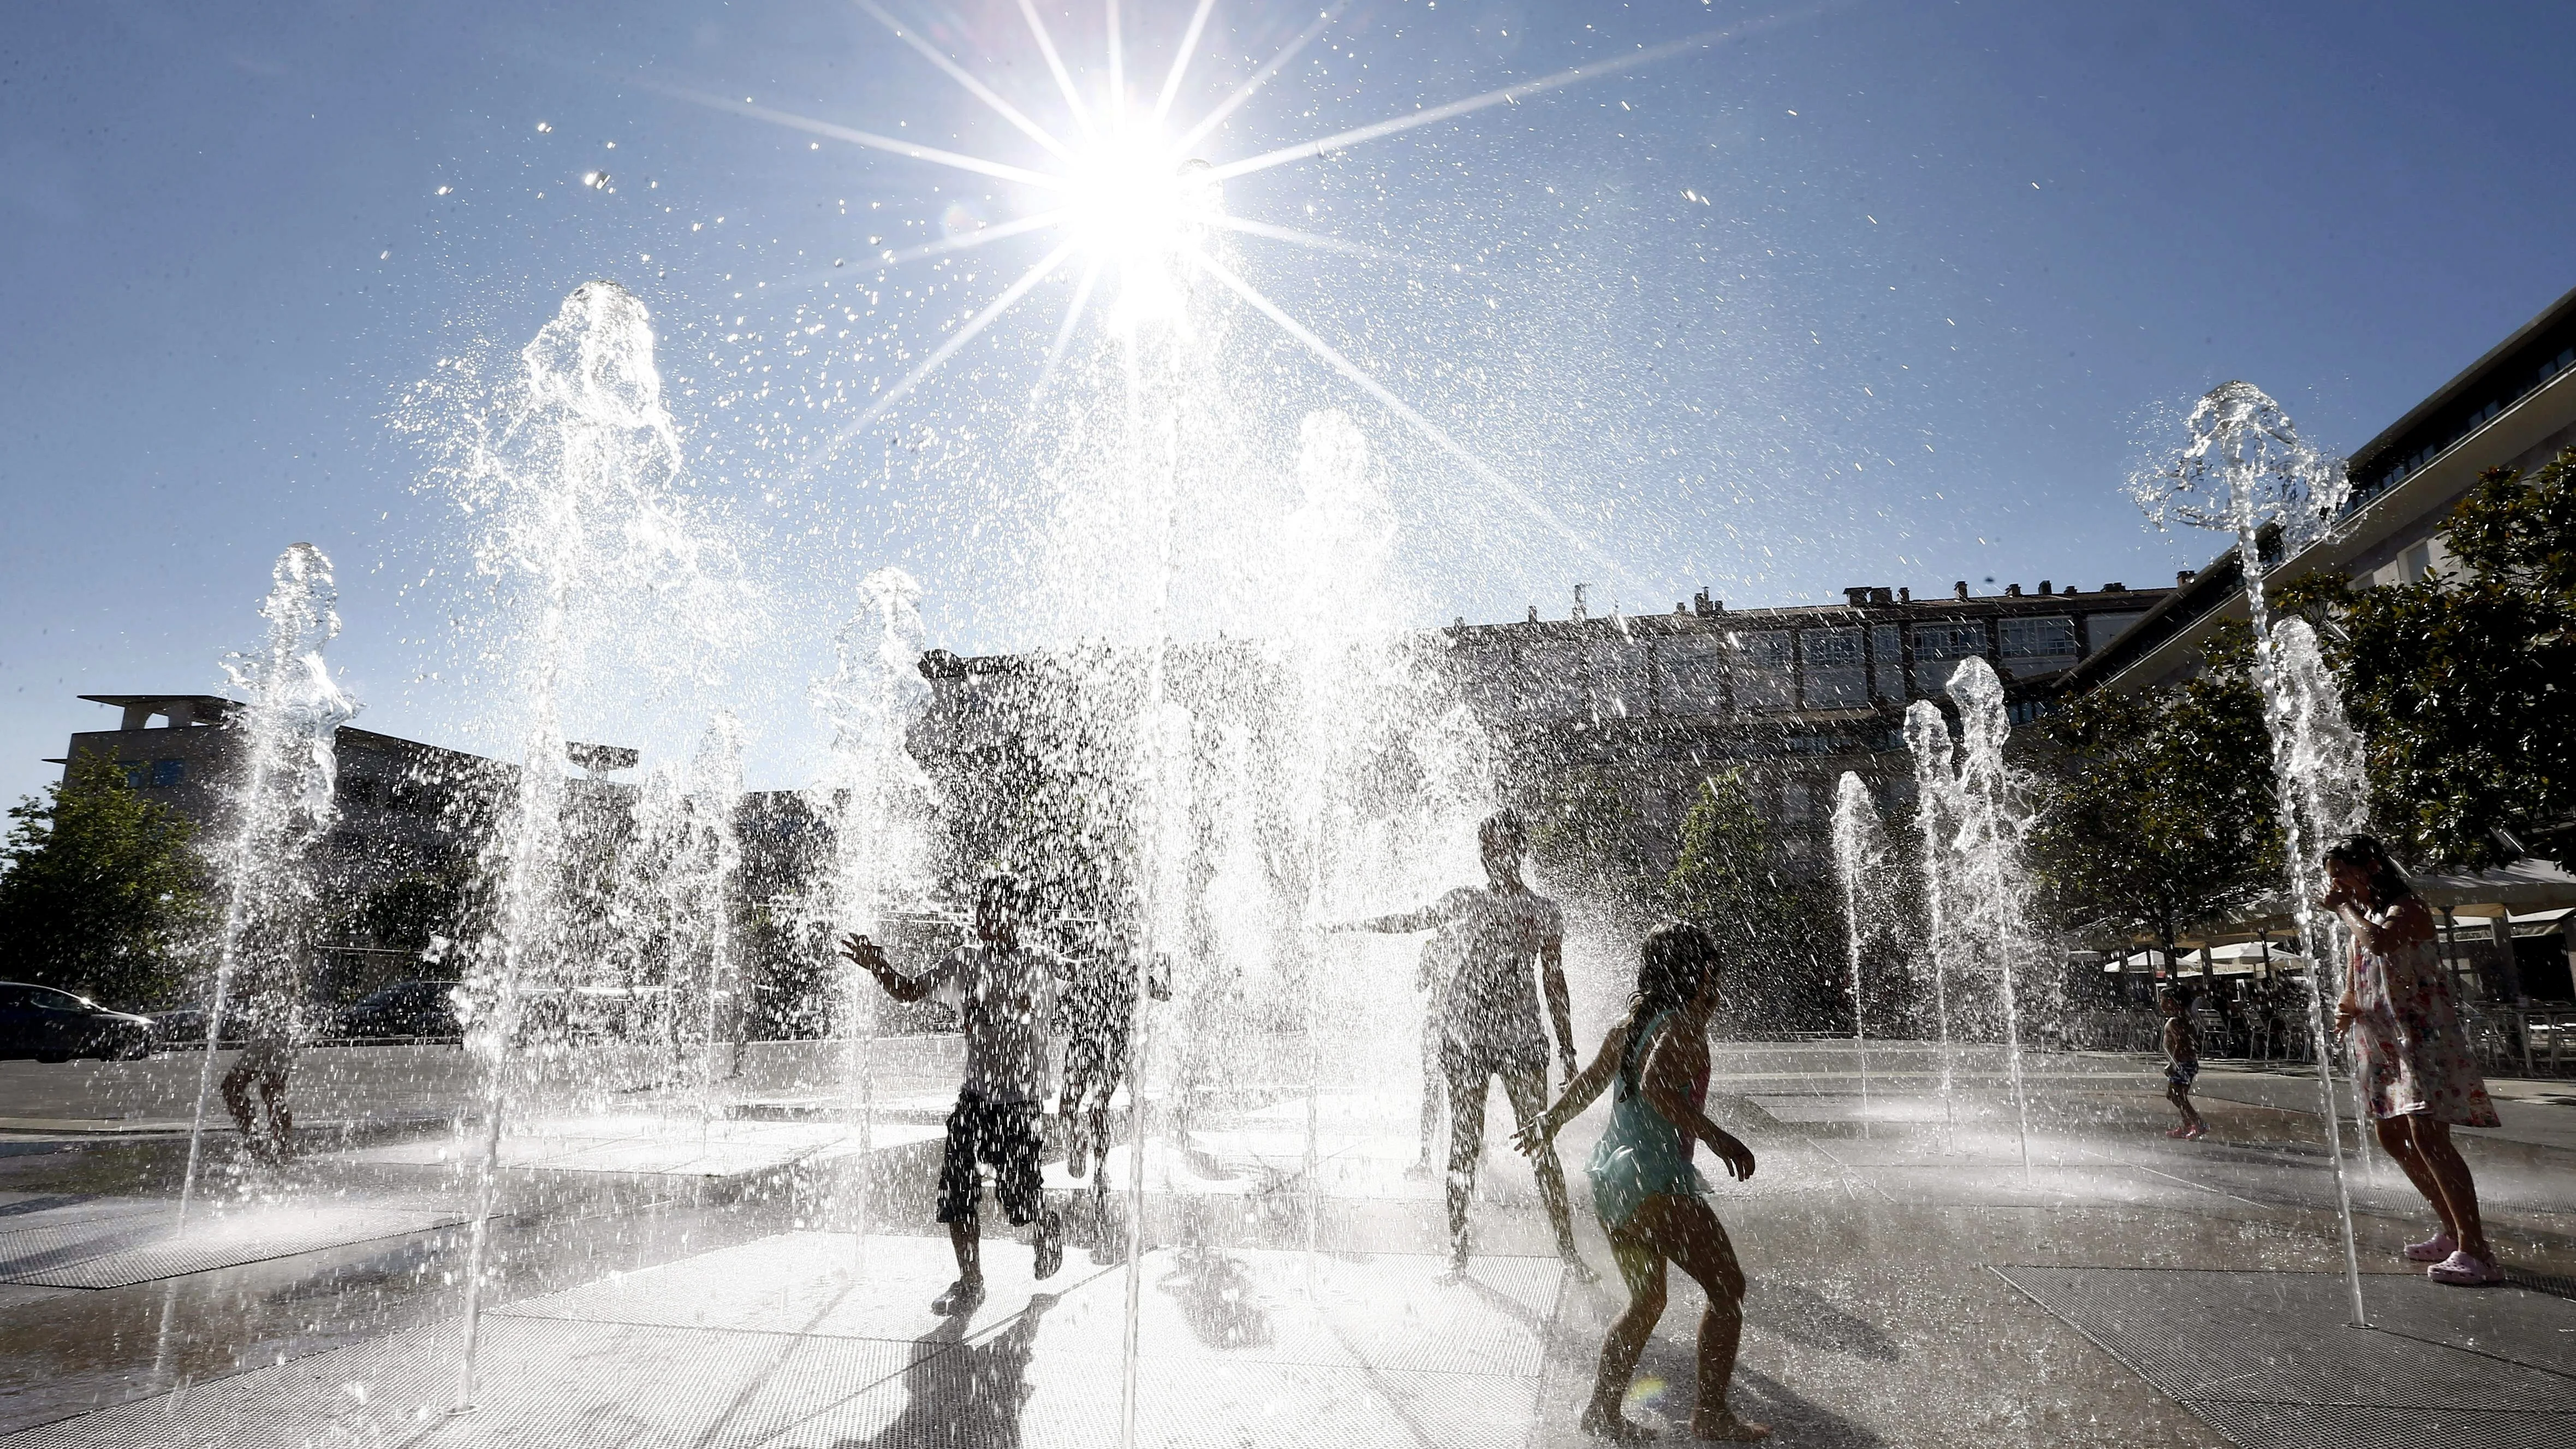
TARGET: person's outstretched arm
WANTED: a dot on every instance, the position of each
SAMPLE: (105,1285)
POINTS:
(1667,1081)
(869,957)
(1560,1008)
(1585,1087)
(1429,918)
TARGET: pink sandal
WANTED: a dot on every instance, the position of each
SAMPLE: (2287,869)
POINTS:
(2433,1249)
(2462,1271)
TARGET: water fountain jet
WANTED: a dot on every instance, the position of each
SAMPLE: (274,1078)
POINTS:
(2245,471)
(282,805)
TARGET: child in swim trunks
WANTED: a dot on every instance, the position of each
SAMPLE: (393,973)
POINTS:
(2182,1064)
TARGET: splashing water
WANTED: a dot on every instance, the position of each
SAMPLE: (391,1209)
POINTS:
(715,865)
(875,804)
(1936,812)
(2327,762)
(574,481)
(1860,853)
(2244,469)
(1993,883)
(281,805)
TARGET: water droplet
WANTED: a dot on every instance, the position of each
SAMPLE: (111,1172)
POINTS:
(595,180)
(442,191)
(545,126)
(384,256)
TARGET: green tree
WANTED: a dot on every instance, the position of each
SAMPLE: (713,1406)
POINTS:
(1585,835)
(102,894)
(1778,927)
(1723,877)
(2156,809)
(2464,688)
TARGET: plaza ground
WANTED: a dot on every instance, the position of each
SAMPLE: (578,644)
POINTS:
(668,1276)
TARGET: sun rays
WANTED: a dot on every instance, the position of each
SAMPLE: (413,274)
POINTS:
(1130,197)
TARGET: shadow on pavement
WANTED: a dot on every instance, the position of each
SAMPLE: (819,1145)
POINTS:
(1810,1320)
(961,1395)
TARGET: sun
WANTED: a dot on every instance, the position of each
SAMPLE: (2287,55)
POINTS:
(1128,198)
(1131,200)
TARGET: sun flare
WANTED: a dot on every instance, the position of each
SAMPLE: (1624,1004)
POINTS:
(1131,198)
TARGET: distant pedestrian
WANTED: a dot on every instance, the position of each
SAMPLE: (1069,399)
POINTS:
(1005,996)
(266,1011)
(1652,1202)
(2410,1052)
(2182,1062)
(1509,945)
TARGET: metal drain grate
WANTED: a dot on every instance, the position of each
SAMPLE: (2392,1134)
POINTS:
(2266,1359)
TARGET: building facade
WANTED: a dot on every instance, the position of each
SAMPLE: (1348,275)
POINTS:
(1791,696)
(2513,408)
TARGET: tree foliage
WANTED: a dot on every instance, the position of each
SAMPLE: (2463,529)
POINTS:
(102,894)
(1776,926)
(2156,809)
(1585,835)
(1723,877)
(2464,688)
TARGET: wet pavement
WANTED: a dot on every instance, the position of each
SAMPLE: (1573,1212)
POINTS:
(668,1277)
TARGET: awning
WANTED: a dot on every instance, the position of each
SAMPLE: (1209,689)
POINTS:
(2245,958)
(2528,884)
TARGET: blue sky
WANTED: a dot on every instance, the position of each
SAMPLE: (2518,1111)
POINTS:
(1868,293)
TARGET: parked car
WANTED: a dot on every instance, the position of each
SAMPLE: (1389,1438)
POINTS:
(179,1028)
(414,1009)
(56,1026)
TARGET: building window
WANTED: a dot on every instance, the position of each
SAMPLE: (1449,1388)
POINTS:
(1766,682)
(1938,648)
(2418,563)
(166,773)
(1694,673)
(136,773)
(2037,646)
(1836,676)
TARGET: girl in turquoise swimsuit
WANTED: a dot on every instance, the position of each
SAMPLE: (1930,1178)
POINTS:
(1652,1202)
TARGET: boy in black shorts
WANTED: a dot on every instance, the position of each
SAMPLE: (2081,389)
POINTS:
(1005,996)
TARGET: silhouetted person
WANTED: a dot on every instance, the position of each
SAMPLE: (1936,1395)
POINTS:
(1652,1202)
(1489,1021)
(1099,1008)
(264,1011)
(1005,997)
(2182,1061)
(2412,1057)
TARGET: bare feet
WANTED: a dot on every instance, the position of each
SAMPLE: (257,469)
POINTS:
(1606,1422)
(1723,1427)
(962,1297)
(1582,1271)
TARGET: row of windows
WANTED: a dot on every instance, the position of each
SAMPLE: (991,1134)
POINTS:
(1778,671)
(155,773)
(2414,462)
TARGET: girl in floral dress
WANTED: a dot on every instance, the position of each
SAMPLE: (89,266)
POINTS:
(2411,1054)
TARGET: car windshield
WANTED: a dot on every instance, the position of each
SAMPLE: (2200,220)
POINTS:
(54,1000)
